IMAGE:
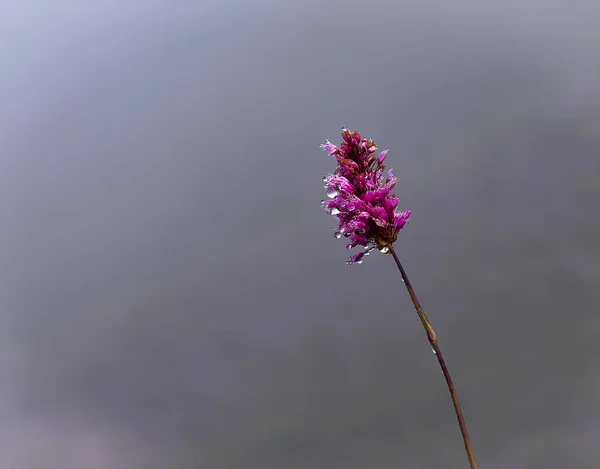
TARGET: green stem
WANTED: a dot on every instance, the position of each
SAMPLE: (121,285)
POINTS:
(438,353)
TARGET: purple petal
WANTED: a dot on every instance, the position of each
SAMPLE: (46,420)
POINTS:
(346,135)
(359,240)
(379,212)
(330,147)
(369,196)
(356,257)
(382,156)
(363,216)
(390,179)
(390,203)
(400,220)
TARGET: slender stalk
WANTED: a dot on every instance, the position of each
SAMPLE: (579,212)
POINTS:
(434,344)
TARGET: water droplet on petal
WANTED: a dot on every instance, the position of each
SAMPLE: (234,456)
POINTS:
(325,179)
(334,211)
(360,261)
(384,249)
(337,235)
(322,201)
(432,349)
(331,193)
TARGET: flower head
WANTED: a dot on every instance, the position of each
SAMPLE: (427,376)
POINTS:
(361,196)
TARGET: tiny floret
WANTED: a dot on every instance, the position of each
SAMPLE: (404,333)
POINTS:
(330,147)
(359,193)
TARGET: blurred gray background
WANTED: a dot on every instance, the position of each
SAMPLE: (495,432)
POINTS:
(171,295)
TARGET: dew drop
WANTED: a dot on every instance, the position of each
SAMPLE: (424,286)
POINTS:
(360,261)
(325,179)
(337,235)
(331,193)
(334,211)
(322,202)
(384,249)
(433,351)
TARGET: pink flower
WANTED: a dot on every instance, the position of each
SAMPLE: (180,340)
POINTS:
(361,196)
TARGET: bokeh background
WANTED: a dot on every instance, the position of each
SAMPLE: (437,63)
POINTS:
(171,295)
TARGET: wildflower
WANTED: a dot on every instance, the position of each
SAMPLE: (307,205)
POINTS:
(361,199)
(361,196)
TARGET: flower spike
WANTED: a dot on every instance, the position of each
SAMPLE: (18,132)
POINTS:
(360,194)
